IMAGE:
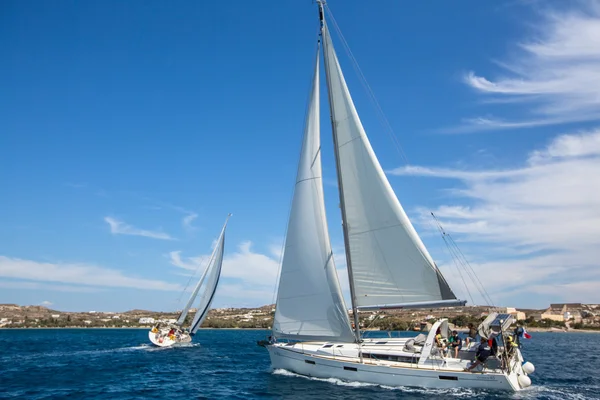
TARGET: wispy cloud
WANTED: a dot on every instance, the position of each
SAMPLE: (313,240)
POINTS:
(120,228)
(555,70)
(46,303)
(539,223)
(191,263)
(188,219)
(74,273)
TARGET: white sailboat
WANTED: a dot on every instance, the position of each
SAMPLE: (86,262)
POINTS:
(165,335)
(388,267)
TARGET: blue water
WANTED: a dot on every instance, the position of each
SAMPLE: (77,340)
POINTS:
(119,364)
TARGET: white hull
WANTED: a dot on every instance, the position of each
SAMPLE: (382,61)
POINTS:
(304,360)
(164,340)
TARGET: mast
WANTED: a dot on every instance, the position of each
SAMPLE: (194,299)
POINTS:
(187,307)
(340,187)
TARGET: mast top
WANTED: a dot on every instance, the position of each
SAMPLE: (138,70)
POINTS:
(321,14)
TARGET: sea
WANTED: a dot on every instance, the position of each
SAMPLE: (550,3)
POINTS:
(228,364)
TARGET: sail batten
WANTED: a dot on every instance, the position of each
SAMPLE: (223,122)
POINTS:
(310,305)
(389,263)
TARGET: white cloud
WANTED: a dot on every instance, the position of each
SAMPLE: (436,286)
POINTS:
(28,285)
(72,273)
(192,264)
(241,295)
(538,224)
(46,303)
(253,275)
(120,228)
(188,219)
(556,71)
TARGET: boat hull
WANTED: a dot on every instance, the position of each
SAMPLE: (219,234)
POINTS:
(165,341)
(322,367)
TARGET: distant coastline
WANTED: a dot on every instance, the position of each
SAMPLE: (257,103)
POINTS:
(121,327)
(534,330)
(571,317)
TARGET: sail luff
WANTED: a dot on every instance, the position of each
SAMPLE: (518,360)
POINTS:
(187,307)
(212,281)
(389,262)
(310,304)
(326,43)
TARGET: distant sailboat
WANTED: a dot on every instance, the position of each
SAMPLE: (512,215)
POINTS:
(388,267)
(165,335)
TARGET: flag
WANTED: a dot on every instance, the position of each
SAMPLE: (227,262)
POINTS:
(525,334)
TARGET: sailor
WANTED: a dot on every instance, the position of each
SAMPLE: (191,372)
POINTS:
(456,343)
(510,345)
(493,342)
(440,342)
(472,335)
(518,333)
(483,352)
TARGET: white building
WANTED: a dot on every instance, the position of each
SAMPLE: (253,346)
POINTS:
(146,320)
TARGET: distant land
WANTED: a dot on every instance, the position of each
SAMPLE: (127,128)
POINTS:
(557,317)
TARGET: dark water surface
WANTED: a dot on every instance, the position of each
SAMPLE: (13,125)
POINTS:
(227,364)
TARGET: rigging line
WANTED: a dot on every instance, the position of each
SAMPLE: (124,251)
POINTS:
(190,280)
(454,261)
(381,115)
(460,266)
(473,271)
(280,264)
(460,262)
(478,285)
(463,260)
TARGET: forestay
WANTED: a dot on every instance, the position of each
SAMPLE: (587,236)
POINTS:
(390,265)
(309,302)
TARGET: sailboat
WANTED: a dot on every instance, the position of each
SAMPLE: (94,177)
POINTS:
(388,267)
(166,335)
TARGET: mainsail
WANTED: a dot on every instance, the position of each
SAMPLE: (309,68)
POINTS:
(390,265)
(211,274)
(310,305)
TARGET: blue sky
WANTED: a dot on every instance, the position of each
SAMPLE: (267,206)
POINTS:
(129,130)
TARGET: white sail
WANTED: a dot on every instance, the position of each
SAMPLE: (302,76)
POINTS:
(212,281)
(310,305)
(188,305)
(391,267)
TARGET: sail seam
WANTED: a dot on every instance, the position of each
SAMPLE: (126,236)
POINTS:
(348,142)
(308,179)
